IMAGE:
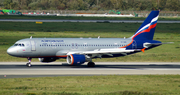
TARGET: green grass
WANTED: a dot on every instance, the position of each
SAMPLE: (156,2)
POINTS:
(83,18)
(98,85)
(10,32)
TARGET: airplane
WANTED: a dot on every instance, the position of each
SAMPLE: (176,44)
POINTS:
(77,51)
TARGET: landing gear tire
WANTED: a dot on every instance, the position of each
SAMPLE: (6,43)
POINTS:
(91,64)
(28,64)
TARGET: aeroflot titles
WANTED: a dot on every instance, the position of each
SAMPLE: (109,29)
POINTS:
(52,41)
(63,41)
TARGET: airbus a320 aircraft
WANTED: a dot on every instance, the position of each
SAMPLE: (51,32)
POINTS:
(77,51)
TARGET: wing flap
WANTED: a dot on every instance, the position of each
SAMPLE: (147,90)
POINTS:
(108,51)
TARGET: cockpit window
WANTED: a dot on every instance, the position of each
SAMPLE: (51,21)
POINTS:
(19,44)
(15,44)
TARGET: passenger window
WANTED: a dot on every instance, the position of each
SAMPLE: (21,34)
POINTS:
(23,45)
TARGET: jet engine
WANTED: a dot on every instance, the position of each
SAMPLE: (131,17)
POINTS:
(47,60)
(76,59)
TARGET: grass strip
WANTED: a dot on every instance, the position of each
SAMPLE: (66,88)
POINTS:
(10,32)
(97,85)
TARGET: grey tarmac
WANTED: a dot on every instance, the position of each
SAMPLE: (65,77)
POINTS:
(38,69)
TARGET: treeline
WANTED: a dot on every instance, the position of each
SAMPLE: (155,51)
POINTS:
(132,5)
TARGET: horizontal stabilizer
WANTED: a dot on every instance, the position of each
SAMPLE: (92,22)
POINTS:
(168,43)
(147,45)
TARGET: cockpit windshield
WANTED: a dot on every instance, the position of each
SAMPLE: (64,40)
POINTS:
(19,44)
(15,44)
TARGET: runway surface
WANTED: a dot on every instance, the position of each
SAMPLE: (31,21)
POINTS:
(19,69)
(104,21)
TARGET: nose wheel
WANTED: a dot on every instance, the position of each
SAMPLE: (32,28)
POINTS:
(29,63)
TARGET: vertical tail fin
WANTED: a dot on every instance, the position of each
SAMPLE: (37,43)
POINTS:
(147,28)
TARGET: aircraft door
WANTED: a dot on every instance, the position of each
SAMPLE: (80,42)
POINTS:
(134,45)
(33,45)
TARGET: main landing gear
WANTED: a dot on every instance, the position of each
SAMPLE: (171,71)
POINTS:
(91,64)
(29,63)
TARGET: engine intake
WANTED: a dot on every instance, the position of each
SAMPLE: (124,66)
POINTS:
(76,59)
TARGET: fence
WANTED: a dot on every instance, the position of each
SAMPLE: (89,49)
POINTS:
(140,13)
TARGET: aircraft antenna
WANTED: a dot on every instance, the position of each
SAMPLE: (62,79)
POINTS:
(98,37)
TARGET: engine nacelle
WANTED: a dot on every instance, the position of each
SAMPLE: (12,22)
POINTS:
(47,60)
(76,59)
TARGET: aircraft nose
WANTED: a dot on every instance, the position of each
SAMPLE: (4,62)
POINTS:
(11,51)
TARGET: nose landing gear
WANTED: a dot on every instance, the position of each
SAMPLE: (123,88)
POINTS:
(29,63)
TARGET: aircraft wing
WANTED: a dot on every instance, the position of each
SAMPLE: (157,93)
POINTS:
(109,52)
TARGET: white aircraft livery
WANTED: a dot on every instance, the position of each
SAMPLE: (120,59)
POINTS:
(77,51)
